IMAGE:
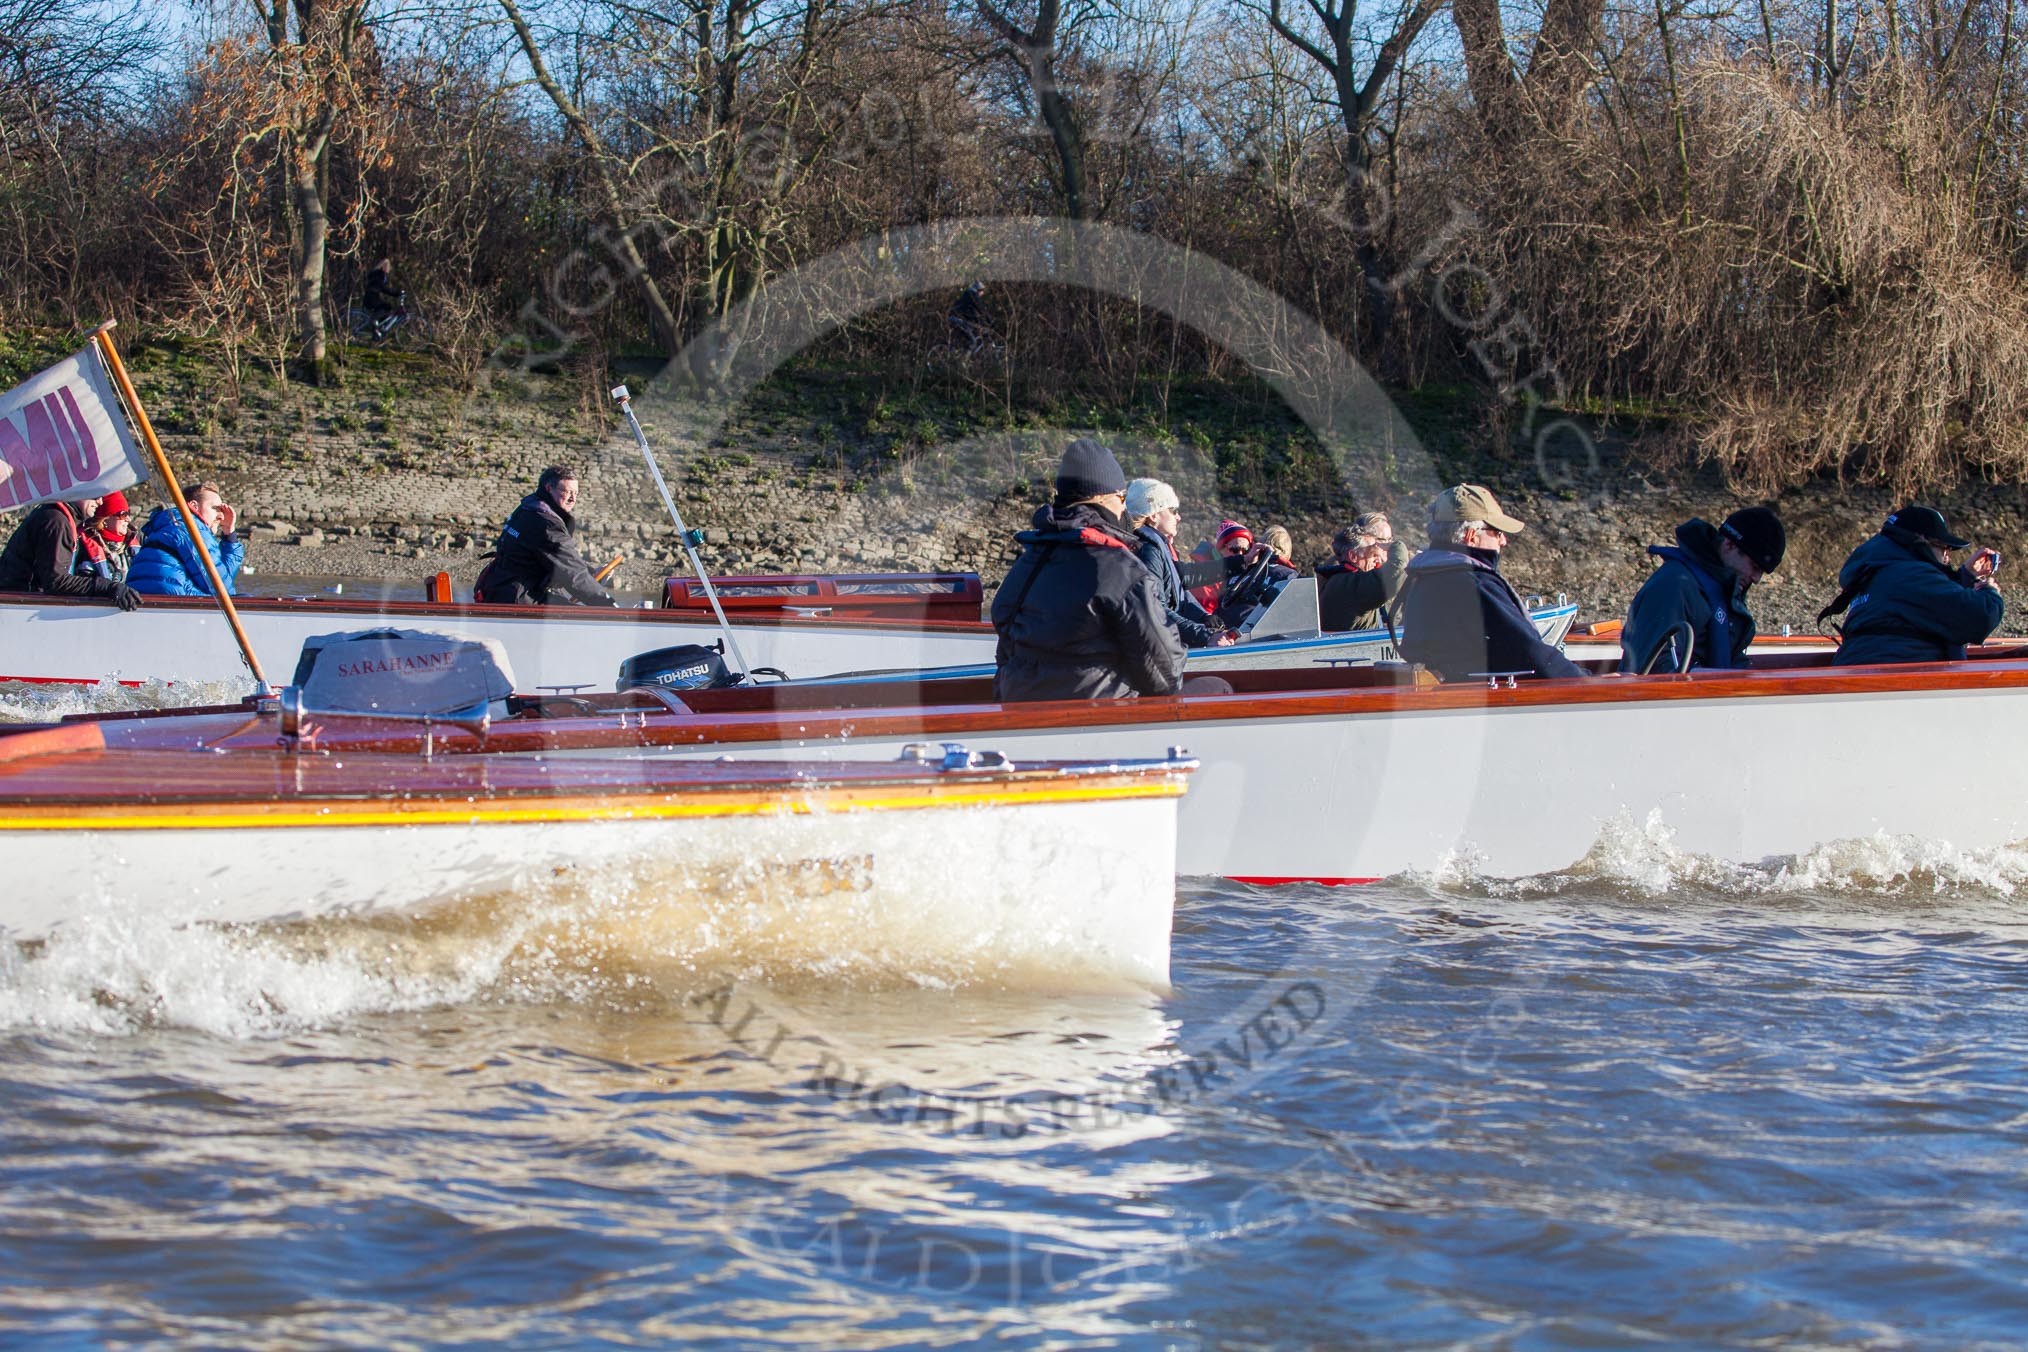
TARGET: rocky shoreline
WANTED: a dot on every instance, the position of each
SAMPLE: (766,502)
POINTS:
(375,486)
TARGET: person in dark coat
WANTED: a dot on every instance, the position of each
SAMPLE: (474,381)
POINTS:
(1080,616)
(1154,514)
(1459,617)
(1366,573)
(1908,602)
(41,556)
(382,297)
(970,325)
(536,562)
(1702,583)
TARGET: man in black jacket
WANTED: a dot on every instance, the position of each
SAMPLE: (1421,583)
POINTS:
(536,562)
(1911,601)
(1367,574)
(1702,585)
(1459,617)
(41,556)
(1079,617)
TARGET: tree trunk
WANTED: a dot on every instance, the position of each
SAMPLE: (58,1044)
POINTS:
(1489,72)
(1559,67)
(1035,49)
(313,228)
(1056,115)
(660,317)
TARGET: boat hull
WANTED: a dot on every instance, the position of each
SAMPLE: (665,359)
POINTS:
(1520,789)
(1025,877)
(1382,777)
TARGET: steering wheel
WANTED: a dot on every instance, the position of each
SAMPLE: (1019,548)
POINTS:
(1241,587)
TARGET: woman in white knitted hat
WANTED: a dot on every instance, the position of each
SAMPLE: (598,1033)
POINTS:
(1154,515)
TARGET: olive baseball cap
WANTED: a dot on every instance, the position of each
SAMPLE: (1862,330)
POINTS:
(1470,502)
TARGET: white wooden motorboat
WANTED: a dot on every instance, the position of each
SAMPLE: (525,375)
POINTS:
(1350,774)
(1281,634)
(942,862)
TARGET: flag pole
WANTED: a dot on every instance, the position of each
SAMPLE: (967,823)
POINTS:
(102,340)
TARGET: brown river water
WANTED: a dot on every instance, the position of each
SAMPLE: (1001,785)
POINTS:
(1647,1099)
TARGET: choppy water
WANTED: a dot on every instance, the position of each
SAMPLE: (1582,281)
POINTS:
(1654,1098)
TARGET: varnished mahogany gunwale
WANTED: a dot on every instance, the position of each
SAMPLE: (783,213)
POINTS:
(58,779)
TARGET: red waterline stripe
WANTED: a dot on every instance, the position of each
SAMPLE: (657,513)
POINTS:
(65,680)
(1328,882)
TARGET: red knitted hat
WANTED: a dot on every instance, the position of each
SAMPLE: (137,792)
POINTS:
(1228,531)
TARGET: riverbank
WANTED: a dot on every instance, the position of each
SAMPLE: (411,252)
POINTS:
(396,475)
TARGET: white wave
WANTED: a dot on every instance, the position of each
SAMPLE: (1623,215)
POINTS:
(37,702)
(111,974)
(1641,857)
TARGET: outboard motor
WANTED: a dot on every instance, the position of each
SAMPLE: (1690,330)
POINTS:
(687,666)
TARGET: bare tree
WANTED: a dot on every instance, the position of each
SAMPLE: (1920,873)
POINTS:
(608,172)
(1032,45)
(70,85)
(314,86)
(1337,40)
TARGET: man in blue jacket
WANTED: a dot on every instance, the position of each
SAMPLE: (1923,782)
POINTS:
(168,564)
(1909,601)
(1459,617)
(1701,587)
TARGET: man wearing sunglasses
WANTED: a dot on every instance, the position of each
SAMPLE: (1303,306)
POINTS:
(1459,617)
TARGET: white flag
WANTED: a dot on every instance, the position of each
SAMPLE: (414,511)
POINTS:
(63,436)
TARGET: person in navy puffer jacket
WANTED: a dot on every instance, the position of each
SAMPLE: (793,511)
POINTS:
(168,564)
(1908,603)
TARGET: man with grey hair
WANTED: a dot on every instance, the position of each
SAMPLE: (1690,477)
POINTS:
(1459,617)
(1353,591)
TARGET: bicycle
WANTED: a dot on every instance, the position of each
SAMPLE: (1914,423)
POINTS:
(958,356)
(367,326)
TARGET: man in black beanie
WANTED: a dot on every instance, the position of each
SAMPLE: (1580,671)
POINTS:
(1079,616)
(1702,583)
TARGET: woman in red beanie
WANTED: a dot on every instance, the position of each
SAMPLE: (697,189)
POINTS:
(105,545)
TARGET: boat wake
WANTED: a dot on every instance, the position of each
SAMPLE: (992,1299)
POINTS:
(627,935)
(1640,858)
(37,702)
